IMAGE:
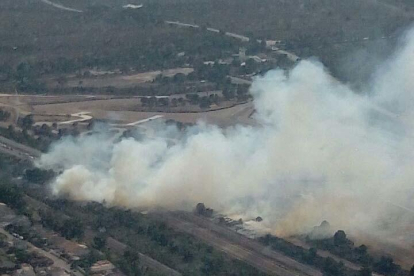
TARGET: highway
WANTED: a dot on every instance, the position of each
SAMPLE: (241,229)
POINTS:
(61,7)
(237,246)
(17,150)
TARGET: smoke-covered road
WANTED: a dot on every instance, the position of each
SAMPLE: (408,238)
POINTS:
(59,6)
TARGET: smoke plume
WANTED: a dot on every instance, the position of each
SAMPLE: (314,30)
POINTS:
(319,151)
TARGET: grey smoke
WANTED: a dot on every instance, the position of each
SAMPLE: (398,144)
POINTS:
(319,151)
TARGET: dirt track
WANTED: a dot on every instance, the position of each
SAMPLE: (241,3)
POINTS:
(237,246)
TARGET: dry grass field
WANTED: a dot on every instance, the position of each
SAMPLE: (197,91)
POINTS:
(121,110)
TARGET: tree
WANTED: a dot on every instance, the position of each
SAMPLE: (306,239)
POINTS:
(27,122)
(228,93)
(62,80)
(130,264)
(72,228)
(144,101)
(164,101)
(10,130)
(365,271)
(87,261)
(193,98)
(38,176)
(263,44)
(412,271)
(386,266)
(153,101)
(91,125)
(4,115)
(362,249)
(212,265)
(331,267)
(340,238)
(22,255)
(205,102)
(174,102)
(179,78)
(11,195)
(99,242)
(313,253)
(251,66)
(200,209)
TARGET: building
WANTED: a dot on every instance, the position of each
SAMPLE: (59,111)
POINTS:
(26,270)
(102,267)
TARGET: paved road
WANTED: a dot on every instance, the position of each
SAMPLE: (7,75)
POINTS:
(290,55)
(20,151)
(59,6)
(238,246)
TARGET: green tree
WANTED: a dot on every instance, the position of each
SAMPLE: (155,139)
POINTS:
(332,268)
(130,264)
(38,176)
(11,195)
(99,242)
(4,115)
(386,266)
(27,122)
(340,238)
(365,271)
(311,255)
(72,228)
(212,265)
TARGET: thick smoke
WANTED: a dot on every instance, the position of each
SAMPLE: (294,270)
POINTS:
(319,151)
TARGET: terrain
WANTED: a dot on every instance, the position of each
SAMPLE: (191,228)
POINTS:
(73,68)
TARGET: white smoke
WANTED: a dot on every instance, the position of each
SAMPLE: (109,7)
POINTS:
(319,151)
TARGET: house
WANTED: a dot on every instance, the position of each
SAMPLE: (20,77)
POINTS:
(26,270)
(102,267)
(6,266)
(56,271)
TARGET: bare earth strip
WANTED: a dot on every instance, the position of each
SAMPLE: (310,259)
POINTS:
(238,246)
